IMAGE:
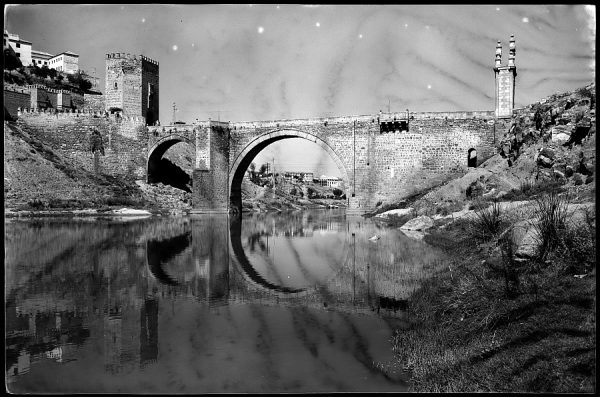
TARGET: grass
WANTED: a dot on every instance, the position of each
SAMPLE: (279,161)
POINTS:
(519,326)
(531,189)
(552,223)
(488,222)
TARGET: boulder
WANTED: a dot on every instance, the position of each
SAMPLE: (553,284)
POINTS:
(559,175)
(525,239)
(414,234)
(419,223)
(569,171)
(586,167)
(547,152)
(544,161)
(578,178)
(395,212)
(501,194)
(560,133)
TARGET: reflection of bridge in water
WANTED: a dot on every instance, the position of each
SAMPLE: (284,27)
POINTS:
(223,273)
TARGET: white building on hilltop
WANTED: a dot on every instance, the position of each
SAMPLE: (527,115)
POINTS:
(40,58)
(329,181)
(22,48)
(67,62)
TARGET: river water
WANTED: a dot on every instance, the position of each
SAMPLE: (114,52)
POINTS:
(295,302)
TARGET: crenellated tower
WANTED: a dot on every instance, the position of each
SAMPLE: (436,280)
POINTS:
(505,80)
(132,86)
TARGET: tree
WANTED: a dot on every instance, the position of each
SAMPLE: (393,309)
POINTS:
(79,81)
(11,60)
(262,170)
(252,172)
(337,192)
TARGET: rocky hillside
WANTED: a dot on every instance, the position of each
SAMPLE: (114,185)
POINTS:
(36,178)
(552,142)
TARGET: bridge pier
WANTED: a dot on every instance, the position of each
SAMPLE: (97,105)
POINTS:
(211,176)
(208,196)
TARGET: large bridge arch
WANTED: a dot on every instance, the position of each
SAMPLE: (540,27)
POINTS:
(157,151)
(243,159)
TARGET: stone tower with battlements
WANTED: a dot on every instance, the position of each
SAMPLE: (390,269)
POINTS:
(505,80)
(132,86)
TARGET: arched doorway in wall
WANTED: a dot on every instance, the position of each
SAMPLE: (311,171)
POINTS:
(170,162)
(243,160)
(472,158)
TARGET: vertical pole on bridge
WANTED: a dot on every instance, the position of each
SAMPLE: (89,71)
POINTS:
(354,160)
(353,267)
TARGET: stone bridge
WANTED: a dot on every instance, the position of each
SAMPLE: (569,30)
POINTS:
(381,157)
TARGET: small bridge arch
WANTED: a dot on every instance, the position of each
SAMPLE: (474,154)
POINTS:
(242,160)
(157,151)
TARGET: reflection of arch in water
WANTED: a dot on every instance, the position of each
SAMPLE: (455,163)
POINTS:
(254,277)
(160,251)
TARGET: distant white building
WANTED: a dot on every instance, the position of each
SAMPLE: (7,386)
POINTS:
(303,176)
(40,58)
(22,48)
(329,181)
(67,62)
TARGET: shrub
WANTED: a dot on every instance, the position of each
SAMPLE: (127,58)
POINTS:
(578,245)
(551,224)
(510,266)
(36,204)
(11,60)
(79,81)
(487,222)
(530,189)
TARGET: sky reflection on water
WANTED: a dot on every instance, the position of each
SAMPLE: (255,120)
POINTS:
(298,302)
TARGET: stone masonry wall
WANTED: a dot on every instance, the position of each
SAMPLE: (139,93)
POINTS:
(390,165)
(15,99)
(43,98)
(132,88)
(211,181)
(132,75)
(93,102)
(150,102)
(124,139)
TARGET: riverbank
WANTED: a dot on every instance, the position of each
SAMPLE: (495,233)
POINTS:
(495,322)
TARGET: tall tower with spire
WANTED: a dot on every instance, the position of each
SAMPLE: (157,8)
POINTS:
(505,80)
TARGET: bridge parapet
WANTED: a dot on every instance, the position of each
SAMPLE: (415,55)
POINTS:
(382,117)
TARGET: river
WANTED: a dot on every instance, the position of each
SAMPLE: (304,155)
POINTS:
(296,302)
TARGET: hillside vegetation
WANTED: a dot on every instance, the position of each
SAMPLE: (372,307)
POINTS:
(514,311)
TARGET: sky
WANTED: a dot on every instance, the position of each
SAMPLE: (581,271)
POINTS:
(266,62)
